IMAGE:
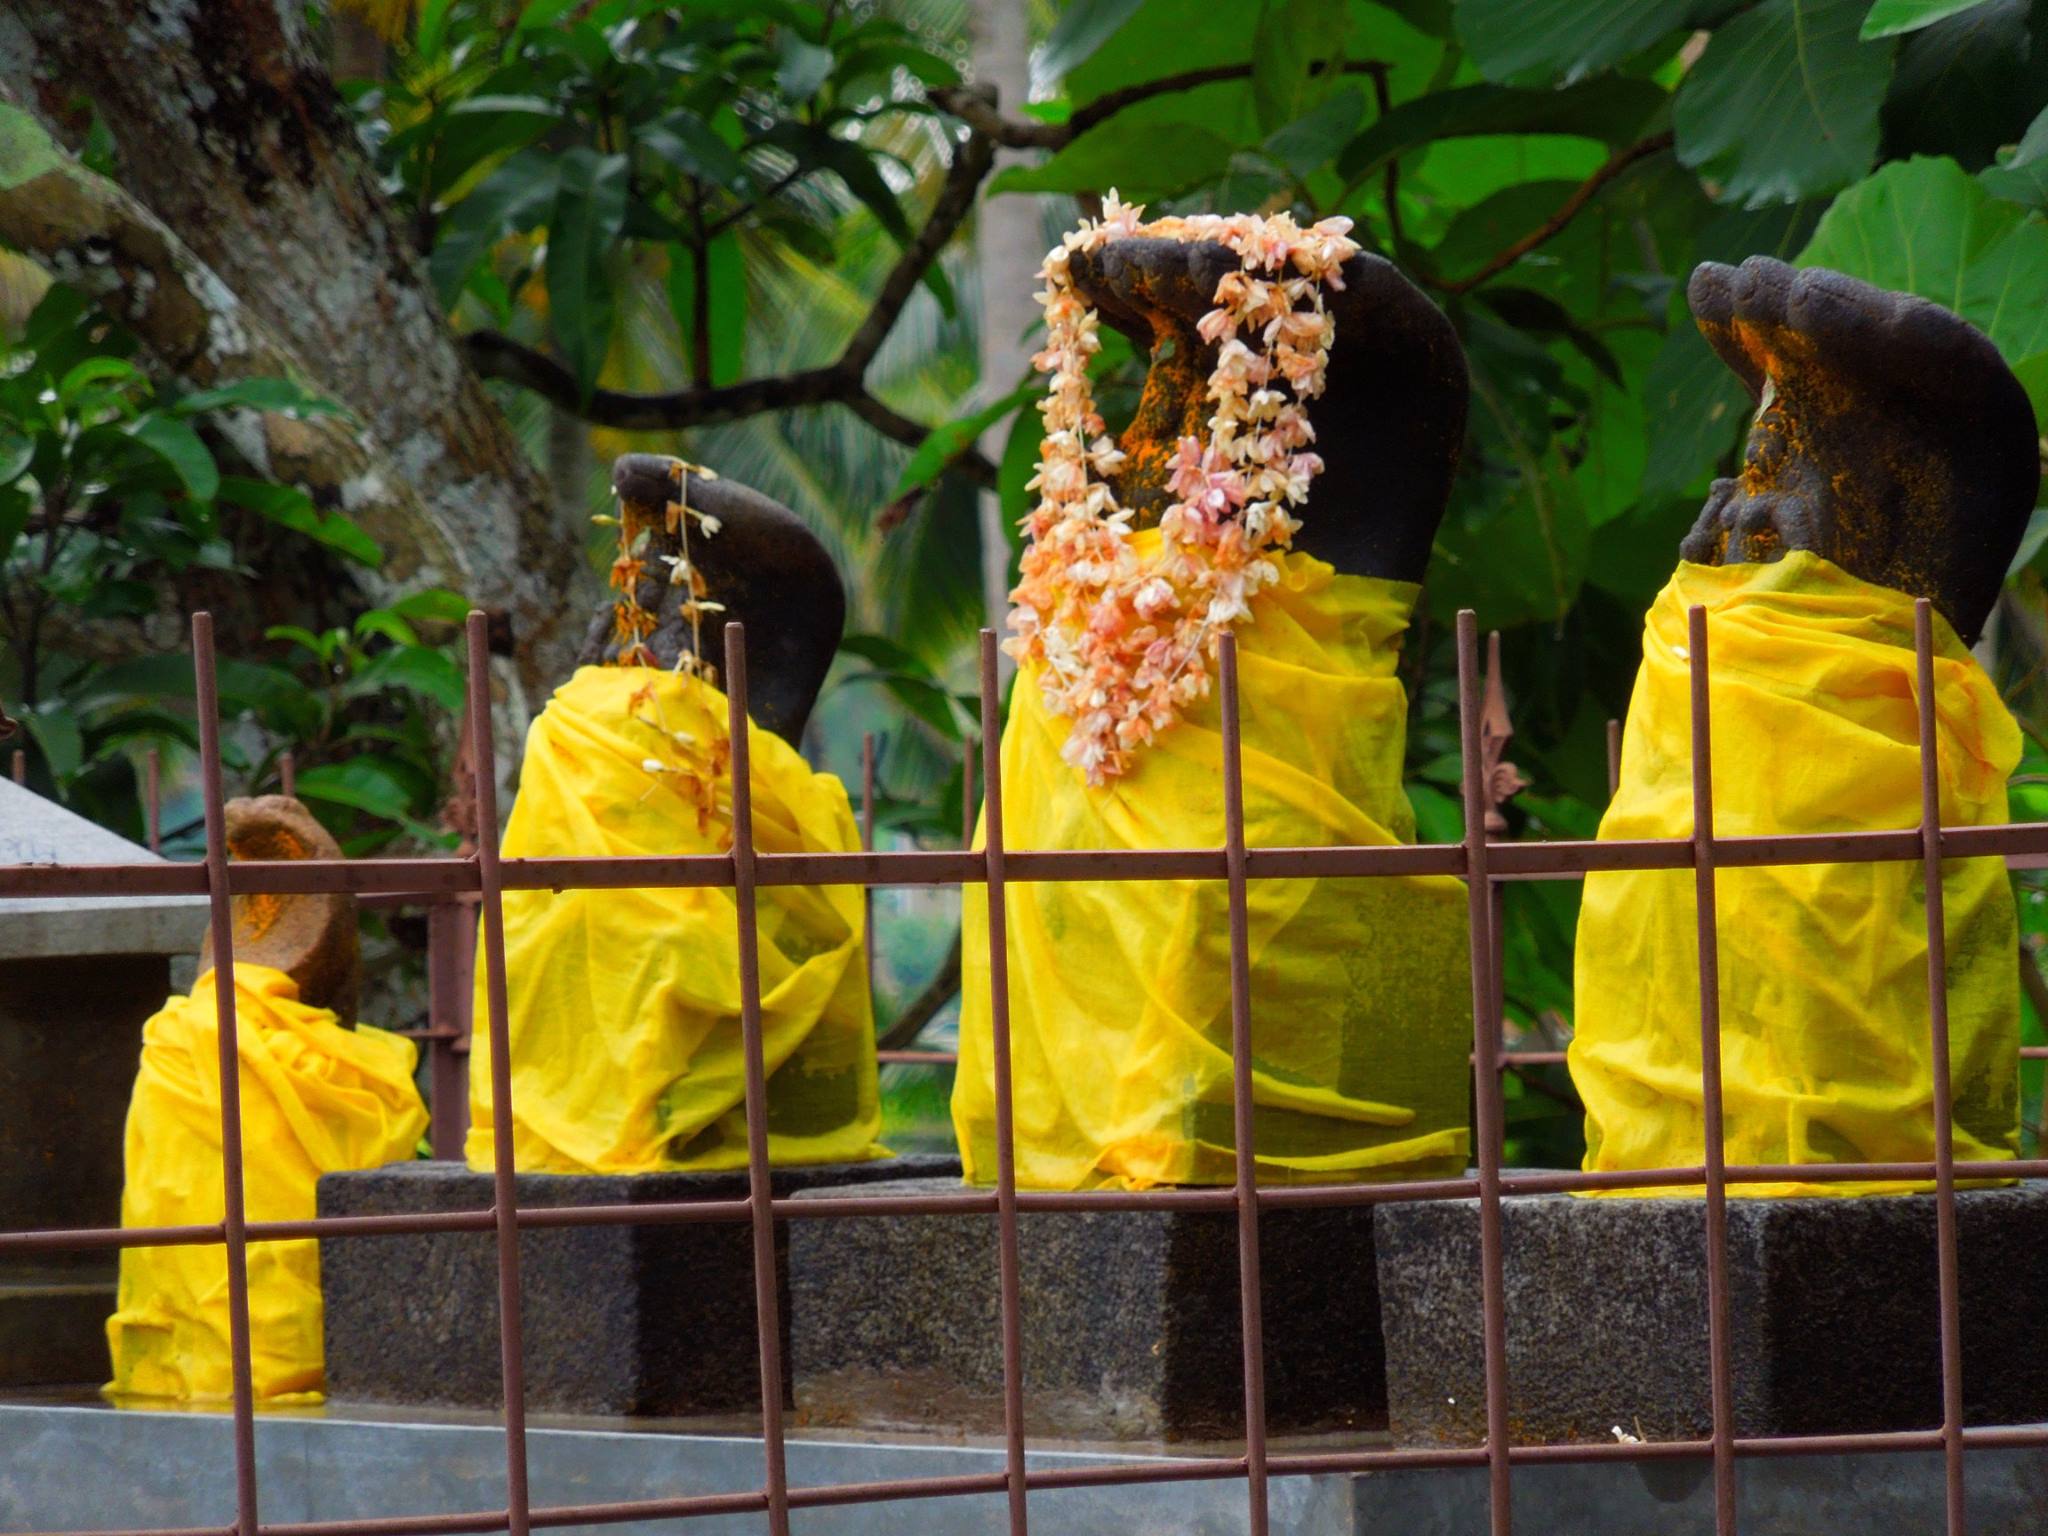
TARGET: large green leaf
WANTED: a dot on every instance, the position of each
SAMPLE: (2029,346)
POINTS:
(1140,160)
(362,783)
(1083,27)
(517,195)
(590,211)
(1292,38)
(1967,86)
(290,507)
(1613,110)
(1525,42)
(725,272)
(1888,18)
(179,446)
(1784,102)
(949,440)
(2022,177)
(1925,226)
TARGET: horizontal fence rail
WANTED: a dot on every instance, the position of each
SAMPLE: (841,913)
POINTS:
(481,879)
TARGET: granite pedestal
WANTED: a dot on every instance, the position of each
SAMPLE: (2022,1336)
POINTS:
(1130,1321)
(78,976)
(1833,1322)
(617,1319)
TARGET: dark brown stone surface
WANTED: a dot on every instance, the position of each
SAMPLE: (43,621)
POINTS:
(310,938)
(1130,1321)
(70,1036)
(1891,438)
(1832,1315)
(1389,425)
(764,564)
(618,1319)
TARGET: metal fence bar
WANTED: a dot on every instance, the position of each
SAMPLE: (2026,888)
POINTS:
(1707,915)
(760,1187)
(451,984)
(1009,1266)
(867,845)
(1944,1098)
(1487,1115)
(1251,1301)
(504,1187)
(234,1214)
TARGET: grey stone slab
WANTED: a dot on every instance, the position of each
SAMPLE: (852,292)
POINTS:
(654,1319)
(177,1470)
(1832,1315)
(34,830)
(1131,1323)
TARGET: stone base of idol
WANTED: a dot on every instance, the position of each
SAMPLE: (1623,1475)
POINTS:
(1130,1321)
(618,1319)
(1833,1321)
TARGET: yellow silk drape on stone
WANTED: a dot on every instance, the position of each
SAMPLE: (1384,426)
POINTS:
(316,1098)
(1120,991)
(1826,1056)
(625,1004)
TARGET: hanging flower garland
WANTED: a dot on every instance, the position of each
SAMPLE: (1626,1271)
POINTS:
(1123,643)
(694,765)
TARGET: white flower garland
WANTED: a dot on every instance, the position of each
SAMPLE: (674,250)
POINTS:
(1124,644)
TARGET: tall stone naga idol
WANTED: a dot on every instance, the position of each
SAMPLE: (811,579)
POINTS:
(1143,553)
(1893,457)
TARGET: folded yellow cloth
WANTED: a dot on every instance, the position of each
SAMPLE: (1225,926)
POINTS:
(1120,991)
(625,1004)
(316,1098)
(1826,1056)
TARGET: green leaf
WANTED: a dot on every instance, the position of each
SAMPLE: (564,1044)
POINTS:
(1888,18)
(1613,110)
(1527,42)
(590,211)
(17,452)
(800,67)
(361,783)
(280,395)
(856,167)
(435,604)
(1967,86)
(418,669)
(2022,177)
(692,146)
(908,680)
(179,446)
(1925,226)
(25,149)
(56,732)
(478,127)
(1314,138)
(1292,37)
(97,370)
(1784,102)
(948,441)
(517,195)
(1083,27)
(290,507)
(382,621)
(1141,160)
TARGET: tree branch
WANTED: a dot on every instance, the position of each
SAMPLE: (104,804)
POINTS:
(842,382)
(1553,226)
(974,107)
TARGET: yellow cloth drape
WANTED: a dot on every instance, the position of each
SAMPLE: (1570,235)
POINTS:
(1120,991)
(1824,1016)
(625,1004)
(316,1098)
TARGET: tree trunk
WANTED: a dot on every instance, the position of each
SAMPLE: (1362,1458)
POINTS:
(229,129)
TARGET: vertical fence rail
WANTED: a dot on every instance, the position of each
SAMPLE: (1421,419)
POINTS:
(1249,1287)
(1720,1385)
(867,845)
(1009,1277)
(1944,1098)
(504,1186)
(760,1186)
(1486,1090)
(234,1215)
(153,799)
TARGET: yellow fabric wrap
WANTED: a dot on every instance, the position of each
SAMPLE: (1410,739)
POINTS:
(625,1004)
(1120,991)
(1826,1056)
(316,1098)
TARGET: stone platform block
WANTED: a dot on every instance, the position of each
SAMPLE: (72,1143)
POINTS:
(1833,1323)
(1130,1321)
(617,1319)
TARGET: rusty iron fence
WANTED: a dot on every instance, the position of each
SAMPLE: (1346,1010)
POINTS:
(482,877)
